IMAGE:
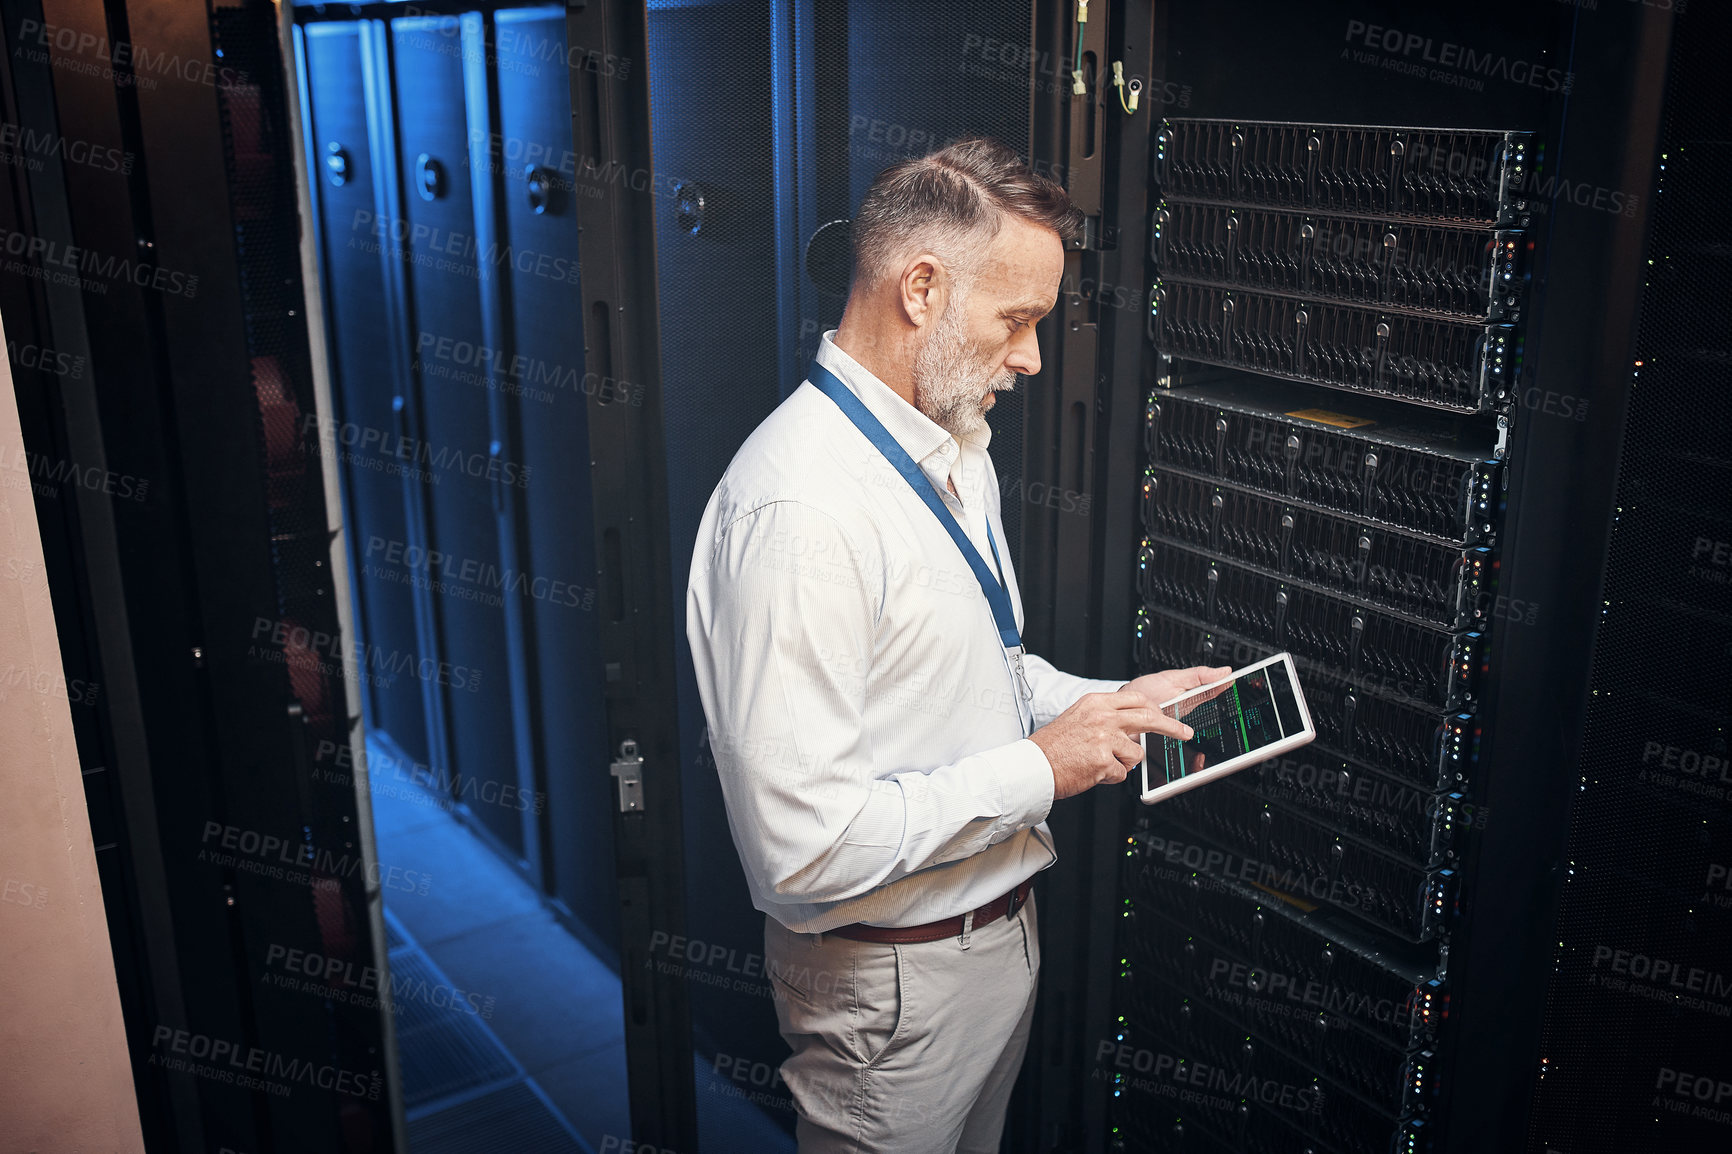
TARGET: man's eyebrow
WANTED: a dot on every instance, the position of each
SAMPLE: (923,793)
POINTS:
(1031,307)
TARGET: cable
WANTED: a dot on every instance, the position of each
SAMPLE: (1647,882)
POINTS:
(1136,88)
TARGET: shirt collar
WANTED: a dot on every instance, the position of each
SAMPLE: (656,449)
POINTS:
(919,435)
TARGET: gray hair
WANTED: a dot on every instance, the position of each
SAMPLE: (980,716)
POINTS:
(950,203)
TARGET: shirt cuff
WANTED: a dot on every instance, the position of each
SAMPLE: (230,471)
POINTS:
(1026,785)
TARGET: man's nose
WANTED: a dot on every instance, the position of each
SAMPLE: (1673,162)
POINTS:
(1024,353)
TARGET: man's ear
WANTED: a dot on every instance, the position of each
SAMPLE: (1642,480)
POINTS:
(922,289)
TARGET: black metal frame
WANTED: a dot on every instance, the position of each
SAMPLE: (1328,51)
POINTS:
(1081,436)
(611,125)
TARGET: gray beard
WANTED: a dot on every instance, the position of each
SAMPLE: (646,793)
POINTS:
(950,386)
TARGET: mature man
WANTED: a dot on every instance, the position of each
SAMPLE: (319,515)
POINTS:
(887,751)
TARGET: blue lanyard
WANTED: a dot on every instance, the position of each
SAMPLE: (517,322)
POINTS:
(852,407)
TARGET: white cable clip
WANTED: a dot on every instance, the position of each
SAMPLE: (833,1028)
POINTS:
(1077,87)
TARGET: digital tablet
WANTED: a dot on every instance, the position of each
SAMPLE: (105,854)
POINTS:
(1256,713)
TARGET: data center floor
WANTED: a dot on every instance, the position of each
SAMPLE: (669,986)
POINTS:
(509,1030)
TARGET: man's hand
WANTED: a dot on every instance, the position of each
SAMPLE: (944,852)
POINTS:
(1161,688)
(1095,740)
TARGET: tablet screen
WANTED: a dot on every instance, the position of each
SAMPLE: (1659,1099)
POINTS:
(1256,709)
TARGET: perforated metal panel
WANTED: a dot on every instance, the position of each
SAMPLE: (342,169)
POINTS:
(972,75)
(1634,1052)
(364,385)
(711,90)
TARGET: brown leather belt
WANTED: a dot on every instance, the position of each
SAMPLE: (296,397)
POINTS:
(1004,907)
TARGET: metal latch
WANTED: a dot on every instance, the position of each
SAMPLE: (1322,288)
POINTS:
(629,770)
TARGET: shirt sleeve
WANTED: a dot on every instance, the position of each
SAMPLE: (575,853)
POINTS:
(781,616)
(1056,691)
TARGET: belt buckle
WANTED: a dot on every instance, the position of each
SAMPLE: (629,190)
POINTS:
(1017,897)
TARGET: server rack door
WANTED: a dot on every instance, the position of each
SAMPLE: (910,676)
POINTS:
(713,195)
(366,388)
(547,393)
(451,424)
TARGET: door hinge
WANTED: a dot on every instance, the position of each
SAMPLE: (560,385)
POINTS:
(629,770)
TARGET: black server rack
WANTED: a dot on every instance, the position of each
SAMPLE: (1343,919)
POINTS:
(1336,315)
(362,297)
(1644,931)
(445,186)
(1391,262)
(439,232)
(543,393)
(718,158)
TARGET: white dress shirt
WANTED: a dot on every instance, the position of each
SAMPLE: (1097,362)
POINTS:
(862,713)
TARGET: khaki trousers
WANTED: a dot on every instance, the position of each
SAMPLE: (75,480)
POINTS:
(904,1049)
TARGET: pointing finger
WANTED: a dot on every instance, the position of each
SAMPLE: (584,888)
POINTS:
(1147,720)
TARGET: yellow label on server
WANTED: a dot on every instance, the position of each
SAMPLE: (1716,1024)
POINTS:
(1325,417)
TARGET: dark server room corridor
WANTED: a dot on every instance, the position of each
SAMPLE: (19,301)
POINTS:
(1133,576)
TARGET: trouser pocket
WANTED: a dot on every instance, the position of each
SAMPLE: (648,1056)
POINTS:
(880,1002)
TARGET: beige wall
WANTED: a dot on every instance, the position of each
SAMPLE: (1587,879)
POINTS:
(65,1081)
